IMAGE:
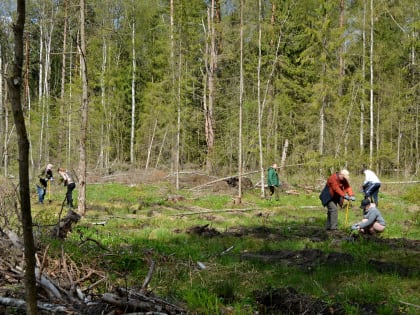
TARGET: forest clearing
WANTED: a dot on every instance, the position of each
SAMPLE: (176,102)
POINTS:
(143,247)
(139,150)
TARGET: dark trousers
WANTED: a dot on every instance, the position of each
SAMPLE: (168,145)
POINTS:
(69,194)
(371,191)
(274,190)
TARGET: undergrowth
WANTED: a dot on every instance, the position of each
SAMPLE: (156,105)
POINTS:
(208,273)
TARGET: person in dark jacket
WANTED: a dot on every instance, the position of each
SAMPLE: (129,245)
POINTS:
(68,181)
(45,177)
(273,181)
(336,190)
(373,221)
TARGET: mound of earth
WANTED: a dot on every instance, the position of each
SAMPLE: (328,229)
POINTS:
(288,301)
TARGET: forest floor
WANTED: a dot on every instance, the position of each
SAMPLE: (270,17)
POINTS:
(285,300)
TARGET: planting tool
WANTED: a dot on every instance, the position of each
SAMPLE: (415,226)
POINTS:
(347,213)
(49,191)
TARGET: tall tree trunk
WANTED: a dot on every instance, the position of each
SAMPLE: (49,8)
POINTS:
(103,160)
(83,113)
(61,134)
(340,52)
(371,86)
(178,124)
(211,73)
(260,144)
(15,87)
(150,146)
(40,87)
(69,112)
(133,90)
(27,96)
(363,96)
(241,94)
(2,108)
(172,34)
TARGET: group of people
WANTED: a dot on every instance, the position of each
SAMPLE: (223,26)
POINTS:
(338,190)
(46,178)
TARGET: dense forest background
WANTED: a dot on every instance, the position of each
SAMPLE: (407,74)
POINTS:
(182,84)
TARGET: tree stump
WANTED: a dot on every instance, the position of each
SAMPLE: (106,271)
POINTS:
(61,229)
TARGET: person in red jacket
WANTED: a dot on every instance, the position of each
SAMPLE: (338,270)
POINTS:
(335,192)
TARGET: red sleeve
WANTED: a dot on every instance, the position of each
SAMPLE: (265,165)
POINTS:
(334,185)
(338,187)
(349,191)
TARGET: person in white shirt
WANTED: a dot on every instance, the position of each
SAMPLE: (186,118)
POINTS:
(68,181)
(371,185)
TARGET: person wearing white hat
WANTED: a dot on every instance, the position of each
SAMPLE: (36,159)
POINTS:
(45,176)
(336,190)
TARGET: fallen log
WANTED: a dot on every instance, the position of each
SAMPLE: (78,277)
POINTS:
(214,211)
(136,302)
(21,304)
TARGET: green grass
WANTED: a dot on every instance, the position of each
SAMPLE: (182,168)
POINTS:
(140,221)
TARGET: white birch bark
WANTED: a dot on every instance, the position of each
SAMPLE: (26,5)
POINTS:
(133,91)
(260,144)
(83,113)
(101,159)
(241,92)
(362,103)
(371,86)
(150,146)
(61,136)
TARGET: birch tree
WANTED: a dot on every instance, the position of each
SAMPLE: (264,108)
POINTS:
(83,113)
(241,95)
(133,86)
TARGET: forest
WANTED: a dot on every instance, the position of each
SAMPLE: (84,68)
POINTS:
(224,86)
(133,96)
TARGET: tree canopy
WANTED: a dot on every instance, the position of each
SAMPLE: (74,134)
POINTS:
(317,61)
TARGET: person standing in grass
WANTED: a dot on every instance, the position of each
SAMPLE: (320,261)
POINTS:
(336,190)
(45,176)
(68,181)
(372,222)
(371,185)
(273,181)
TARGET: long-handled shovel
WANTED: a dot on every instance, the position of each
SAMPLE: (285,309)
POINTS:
(49,191)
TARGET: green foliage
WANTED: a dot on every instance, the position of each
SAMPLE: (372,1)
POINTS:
(208,272)
(411,194)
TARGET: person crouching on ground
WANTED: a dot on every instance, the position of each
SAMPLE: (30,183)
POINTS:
(373,221)
(67,178)
(336,190)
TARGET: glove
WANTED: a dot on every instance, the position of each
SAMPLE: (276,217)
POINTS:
(352,198)
(355,227)
(347,197)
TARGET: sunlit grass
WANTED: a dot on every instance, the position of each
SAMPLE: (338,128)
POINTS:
(139,222)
